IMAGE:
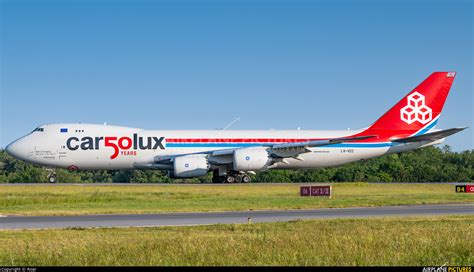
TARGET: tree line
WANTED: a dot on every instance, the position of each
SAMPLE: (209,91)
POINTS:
(431,164)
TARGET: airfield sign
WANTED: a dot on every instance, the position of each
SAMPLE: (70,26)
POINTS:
(464,188)
(316,190)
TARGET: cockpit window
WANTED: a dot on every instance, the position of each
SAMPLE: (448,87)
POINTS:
(38,129)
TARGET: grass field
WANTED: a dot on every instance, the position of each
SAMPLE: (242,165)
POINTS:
(75,200)
(390,241)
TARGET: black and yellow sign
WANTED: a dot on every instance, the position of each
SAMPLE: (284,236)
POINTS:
(464,188)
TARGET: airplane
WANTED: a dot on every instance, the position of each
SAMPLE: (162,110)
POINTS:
(232,155)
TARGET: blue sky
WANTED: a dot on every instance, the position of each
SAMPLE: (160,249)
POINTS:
(199,64)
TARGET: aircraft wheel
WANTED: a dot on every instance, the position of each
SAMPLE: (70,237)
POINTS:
(246,179)
(229,179)
(52,178)
(238,179)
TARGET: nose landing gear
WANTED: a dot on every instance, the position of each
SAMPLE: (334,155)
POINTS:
(52,176)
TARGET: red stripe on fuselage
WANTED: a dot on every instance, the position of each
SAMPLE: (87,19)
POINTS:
(237,140)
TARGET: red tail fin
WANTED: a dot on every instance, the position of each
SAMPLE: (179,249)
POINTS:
(417,110)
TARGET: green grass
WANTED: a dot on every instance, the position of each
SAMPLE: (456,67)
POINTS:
(75,200)
(432,241)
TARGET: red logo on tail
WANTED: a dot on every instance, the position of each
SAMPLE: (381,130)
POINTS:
(416,110)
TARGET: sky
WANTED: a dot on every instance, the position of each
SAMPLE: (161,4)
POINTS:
(200,64)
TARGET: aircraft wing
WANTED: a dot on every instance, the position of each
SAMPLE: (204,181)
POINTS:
(318,143)
(299,147)
(292,150)
(224,156)
(289,150)
(431,136)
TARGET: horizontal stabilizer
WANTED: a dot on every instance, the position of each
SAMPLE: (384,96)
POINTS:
(431,136)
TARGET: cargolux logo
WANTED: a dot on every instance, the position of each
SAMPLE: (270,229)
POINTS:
(125,146)
(416,110)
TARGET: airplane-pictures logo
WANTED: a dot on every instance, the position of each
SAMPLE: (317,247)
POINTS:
(416,110)
(125,146)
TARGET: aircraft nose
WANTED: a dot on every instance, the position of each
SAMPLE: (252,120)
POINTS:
(11,149)
(16,150)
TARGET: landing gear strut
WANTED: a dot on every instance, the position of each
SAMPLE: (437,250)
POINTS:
(52,176)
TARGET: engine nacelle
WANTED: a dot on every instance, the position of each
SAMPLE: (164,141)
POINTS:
(251,159)
(190,166)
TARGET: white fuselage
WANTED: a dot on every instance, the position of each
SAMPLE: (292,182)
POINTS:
(90,146)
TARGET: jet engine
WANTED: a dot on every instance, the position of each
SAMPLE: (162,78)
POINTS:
(251,159)
(190,166)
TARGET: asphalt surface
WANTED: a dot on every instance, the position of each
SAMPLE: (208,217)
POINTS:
(207,218)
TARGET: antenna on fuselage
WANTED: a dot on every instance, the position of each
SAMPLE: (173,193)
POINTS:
(231,123)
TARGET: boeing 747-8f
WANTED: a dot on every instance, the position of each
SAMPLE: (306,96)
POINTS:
(232,155)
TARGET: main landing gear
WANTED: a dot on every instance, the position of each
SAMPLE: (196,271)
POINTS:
(231,177)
